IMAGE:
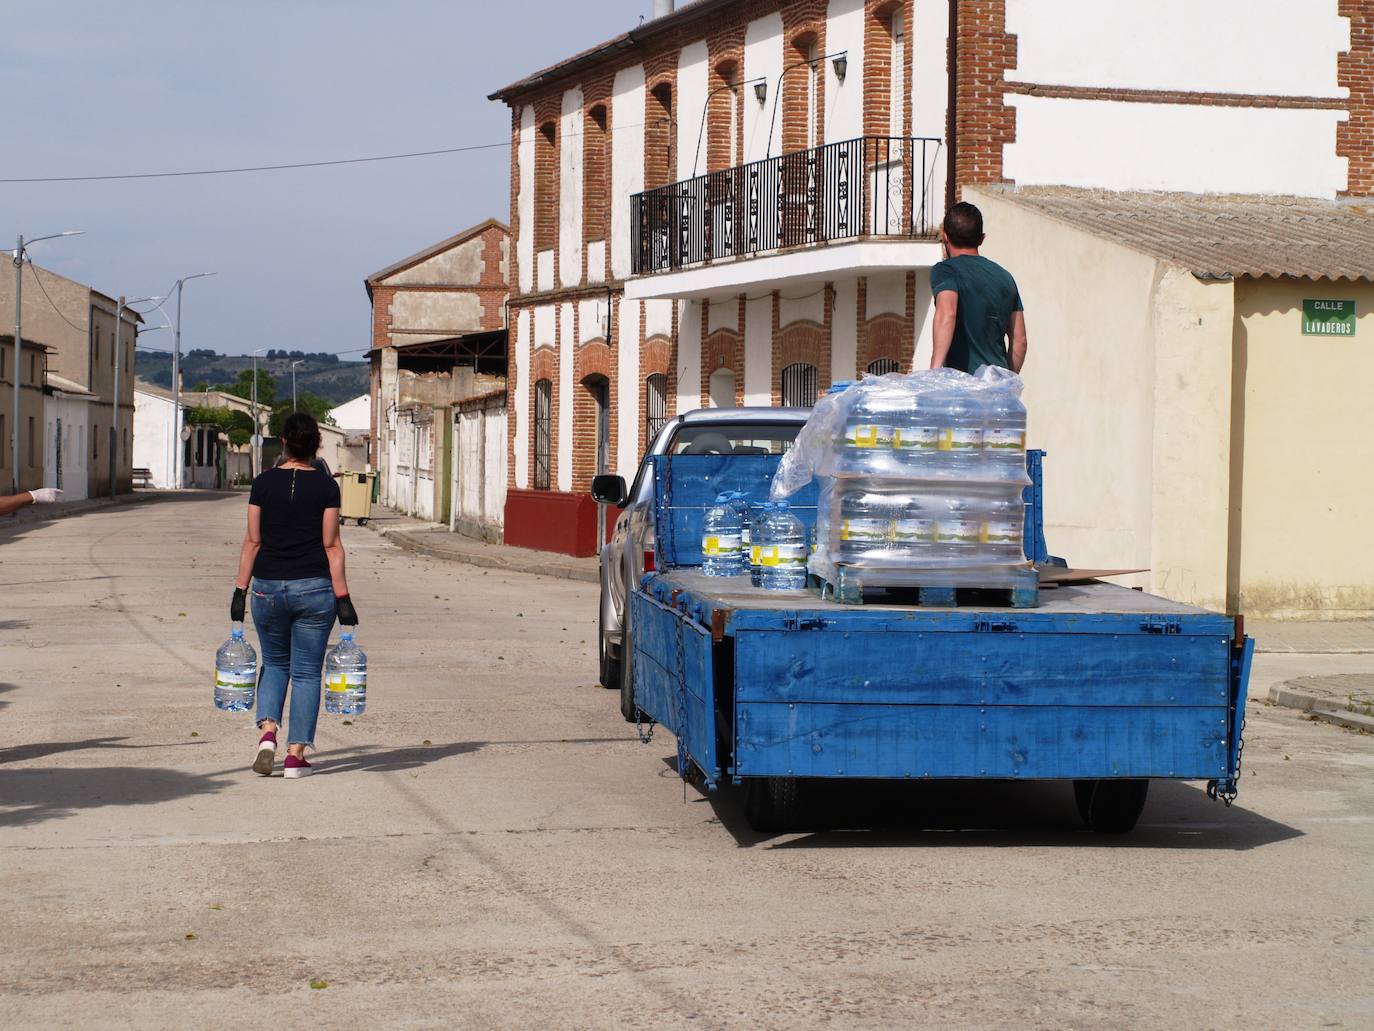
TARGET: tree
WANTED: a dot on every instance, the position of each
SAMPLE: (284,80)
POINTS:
(243,387)
(238,425)
(201,387)
(305,402)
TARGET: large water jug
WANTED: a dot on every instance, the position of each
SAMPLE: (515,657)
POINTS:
(914,530)
(1006,517)
(745,514)
(864,527)
(345,677)
(783,548)
(236,673)
(960,530)
(755,549)
(720,539)
(1004,435)
(868,431)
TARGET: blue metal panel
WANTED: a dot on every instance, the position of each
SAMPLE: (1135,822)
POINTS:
(905,741)
(1033,534)
(686,485)
(983,669)
(673,677)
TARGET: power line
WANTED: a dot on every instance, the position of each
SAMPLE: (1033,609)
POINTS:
(297,164)
(39,280)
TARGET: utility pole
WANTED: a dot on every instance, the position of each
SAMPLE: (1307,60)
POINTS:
(19,336)
(176,385)
(299,361)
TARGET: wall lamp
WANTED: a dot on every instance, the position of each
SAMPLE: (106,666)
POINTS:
(761,91)
(841,65)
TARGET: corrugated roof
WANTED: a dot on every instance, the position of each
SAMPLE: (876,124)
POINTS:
(65,385)
(1220,236)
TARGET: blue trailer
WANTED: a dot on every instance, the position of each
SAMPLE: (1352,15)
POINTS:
(1099,685)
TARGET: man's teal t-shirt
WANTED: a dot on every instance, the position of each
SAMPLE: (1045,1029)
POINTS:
(987,298)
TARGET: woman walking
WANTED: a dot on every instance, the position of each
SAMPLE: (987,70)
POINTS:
(295,558)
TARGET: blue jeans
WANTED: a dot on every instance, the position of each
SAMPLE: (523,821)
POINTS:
(293,618)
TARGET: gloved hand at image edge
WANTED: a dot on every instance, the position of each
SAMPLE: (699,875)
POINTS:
(45,495)
(348,615)
(237,605)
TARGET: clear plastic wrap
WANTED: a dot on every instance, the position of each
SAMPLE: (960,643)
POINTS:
(920,478)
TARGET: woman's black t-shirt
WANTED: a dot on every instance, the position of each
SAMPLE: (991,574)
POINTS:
(293,502)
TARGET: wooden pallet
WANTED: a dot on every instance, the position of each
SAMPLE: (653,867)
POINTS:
(854,585)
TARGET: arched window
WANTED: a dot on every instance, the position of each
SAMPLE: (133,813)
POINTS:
(882,366)
(800,385)
(722,388)
(543,432)
(596,183)
(655,406)
(599,390)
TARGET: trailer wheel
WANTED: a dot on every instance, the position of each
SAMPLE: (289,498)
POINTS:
(773,804)
(1110,806)
(362,521)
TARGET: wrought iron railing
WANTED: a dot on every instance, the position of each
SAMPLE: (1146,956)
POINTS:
(872,186)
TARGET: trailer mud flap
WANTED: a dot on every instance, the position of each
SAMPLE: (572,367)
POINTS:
(674,680)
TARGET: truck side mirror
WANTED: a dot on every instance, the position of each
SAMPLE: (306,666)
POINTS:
(610,490)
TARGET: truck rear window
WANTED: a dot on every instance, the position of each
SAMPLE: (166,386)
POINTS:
(743,439)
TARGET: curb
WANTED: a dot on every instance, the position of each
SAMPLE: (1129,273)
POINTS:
(403,539)
(1320,708)
(68,509)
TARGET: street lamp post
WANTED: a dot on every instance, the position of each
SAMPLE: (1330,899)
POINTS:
(176,383)
(299,361)
(19,333)
(257,430)
(118,361)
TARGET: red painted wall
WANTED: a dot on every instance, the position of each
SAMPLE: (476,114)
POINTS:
(551,521)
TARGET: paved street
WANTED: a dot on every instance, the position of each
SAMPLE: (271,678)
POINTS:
(490,846)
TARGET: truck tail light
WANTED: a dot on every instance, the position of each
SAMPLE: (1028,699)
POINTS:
(649,564)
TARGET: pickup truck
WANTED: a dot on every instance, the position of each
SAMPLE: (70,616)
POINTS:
(1100,686)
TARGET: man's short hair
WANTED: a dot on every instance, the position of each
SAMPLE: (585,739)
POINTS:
(964,225)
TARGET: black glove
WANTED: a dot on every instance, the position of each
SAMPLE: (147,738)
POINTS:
(236,606)
(348,615)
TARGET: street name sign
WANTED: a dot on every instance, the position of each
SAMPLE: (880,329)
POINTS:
(1327,318)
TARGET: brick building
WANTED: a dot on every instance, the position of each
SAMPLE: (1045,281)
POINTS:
(735,203)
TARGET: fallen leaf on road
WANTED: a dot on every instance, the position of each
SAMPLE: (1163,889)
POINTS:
(190,937)
(319,982)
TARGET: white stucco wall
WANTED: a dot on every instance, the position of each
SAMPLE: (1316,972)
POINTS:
(886,294)
(459,265)
(844,32)
(693,73)
(564,415)
(571,145)
(352,415)
(758,351)
(658,318)
(1174,147)
(545,325)
(844,341)
(689,385)
(520,447)
(1222,46)
(923,331)
(930,90)
(628,388)
(72,415)
(591,316)
(723,314)
(808,306)
(627,161)
(762,57)
(524,202)
(596,261)
(152,439)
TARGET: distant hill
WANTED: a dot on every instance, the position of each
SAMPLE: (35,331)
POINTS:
(321,374)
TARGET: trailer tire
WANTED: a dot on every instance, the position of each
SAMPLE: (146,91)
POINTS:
(773,804)
(1110,806)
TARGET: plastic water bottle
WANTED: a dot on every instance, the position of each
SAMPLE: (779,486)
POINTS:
(720,539)
(914,530)
(746,523)
(960,531)
(868,428)
(1004,435)
(1006,517)
(916,437)
(864,529)
(236,673)
(345,677)
(783,550)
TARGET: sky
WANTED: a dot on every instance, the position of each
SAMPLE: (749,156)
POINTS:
(92,88)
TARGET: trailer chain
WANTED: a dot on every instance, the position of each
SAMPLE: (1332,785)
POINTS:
(644,736)
(1214,790)
(681,708)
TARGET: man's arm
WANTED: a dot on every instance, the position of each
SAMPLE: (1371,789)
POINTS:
(1017,354)
(946,308)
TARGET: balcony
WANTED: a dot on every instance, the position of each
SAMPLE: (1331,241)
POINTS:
(851,207)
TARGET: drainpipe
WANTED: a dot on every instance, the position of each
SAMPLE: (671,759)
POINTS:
(952,111)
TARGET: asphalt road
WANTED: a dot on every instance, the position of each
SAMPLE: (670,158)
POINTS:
(490,846)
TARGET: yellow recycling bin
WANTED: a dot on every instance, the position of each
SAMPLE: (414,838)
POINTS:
(355,490)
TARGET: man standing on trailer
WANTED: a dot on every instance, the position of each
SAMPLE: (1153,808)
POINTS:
(978,315)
